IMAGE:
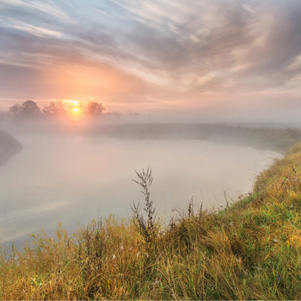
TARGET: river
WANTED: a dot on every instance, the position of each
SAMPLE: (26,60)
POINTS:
(73,178)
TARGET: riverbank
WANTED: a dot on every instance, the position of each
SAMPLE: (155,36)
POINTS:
(8,147)
(276,139)
(250,250)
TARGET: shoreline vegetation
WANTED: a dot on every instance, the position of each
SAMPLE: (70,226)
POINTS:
(260,137)
(276,139)
(8,147)
(248,250)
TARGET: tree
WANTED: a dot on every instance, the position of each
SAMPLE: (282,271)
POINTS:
(15,110)
(55,108)
(92,108)
(29,109)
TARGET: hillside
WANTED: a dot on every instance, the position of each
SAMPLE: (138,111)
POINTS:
(249,250)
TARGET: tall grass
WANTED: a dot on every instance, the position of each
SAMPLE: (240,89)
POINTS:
(250,250)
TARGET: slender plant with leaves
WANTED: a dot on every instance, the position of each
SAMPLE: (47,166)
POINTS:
(146,226)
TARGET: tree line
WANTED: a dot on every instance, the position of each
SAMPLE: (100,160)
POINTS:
(30,109)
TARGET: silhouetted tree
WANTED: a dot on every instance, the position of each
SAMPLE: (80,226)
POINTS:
(29,109)
(55,108)
(92,108)
(15,110)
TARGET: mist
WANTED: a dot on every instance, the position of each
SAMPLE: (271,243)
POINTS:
(207,95)
(73,176)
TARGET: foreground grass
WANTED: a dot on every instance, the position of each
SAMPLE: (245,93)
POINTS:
(250,250)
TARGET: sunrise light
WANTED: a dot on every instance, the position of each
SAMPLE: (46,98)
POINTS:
(73,106)
(100,99)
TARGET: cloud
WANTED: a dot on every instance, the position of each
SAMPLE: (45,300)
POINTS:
(26,8)
(152,50)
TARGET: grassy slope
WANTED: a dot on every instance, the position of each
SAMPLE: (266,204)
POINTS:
(251,250)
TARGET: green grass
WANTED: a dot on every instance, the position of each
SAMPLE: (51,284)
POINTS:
(250,250)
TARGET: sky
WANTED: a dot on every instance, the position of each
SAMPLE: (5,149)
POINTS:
(225,58)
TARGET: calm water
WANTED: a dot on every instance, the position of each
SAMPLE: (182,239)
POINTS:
(73,179)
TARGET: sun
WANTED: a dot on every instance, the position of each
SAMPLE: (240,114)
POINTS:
(75,110)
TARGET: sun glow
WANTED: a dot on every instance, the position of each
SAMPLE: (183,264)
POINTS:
(74,108)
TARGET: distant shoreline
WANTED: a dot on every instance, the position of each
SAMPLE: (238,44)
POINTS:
(9,146)
(276,139)
(265,138)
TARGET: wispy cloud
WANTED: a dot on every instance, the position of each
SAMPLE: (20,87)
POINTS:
(170,49)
